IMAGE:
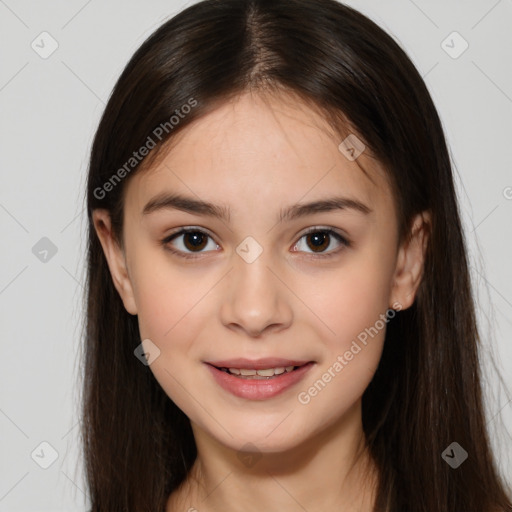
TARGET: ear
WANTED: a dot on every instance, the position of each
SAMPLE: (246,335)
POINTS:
(410,263)
(115,259)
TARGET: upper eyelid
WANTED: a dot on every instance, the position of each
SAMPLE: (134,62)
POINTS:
(324,228)
(186,229)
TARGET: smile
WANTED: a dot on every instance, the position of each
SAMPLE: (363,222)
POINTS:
(259,384)
(246,373)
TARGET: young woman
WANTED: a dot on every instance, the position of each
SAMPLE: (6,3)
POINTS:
(280,314)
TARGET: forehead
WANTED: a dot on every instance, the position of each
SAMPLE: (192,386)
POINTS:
(268,150)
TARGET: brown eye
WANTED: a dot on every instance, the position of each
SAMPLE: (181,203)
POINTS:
(195,240)
(319,240)
(188,243)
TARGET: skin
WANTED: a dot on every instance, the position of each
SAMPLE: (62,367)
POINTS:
(287,303)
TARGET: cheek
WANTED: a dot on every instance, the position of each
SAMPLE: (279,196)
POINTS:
(167,296)
(354,307)
(171,318)
(171,313)
(352,298)
(157,305)
(174,308)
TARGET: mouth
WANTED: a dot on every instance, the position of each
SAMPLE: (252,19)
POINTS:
(258,380)
(263,374)
(266,368)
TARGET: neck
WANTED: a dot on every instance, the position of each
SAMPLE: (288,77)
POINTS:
(330,471)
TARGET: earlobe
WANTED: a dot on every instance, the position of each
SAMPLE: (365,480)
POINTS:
(115,259)
(410,262)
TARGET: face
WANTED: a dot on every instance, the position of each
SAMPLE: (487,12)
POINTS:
(263,279)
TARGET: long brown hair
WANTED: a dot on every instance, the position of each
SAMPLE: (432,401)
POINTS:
(426,392)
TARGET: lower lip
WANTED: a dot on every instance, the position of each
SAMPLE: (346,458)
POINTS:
(258,389)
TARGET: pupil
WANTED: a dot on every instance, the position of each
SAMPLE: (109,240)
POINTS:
(196,239)
(319,240)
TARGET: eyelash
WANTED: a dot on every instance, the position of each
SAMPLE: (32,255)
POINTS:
(344,242)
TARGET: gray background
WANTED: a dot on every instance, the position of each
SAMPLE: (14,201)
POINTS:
(50,108)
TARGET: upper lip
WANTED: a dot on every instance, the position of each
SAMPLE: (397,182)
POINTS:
(257,364)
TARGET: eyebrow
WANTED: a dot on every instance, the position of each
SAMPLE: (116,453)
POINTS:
(165,201)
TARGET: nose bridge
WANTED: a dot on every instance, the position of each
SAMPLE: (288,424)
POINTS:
(257,298)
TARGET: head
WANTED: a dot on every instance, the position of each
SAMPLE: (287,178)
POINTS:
(241,125)
(256,285)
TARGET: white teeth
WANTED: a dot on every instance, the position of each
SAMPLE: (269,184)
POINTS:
(267,372)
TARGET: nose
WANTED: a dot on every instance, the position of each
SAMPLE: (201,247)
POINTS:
(257,300)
